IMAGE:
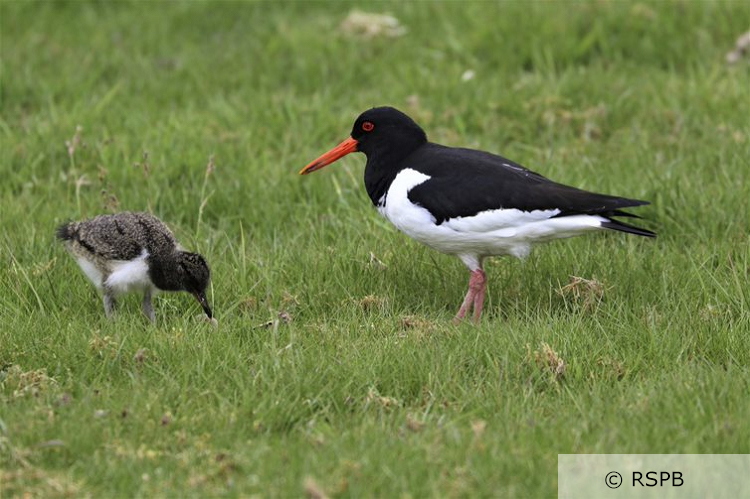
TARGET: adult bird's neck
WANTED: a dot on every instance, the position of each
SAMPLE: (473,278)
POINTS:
(382,167)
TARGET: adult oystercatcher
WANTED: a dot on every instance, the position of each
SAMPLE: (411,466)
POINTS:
(465,202)
(135,251)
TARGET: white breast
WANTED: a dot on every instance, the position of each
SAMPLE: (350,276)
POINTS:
(128,275)
(493,232)
(402,213)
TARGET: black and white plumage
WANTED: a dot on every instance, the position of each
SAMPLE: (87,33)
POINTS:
(135,252)
(465,202)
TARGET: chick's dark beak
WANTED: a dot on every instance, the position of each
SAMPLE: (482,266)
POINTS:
(201,297)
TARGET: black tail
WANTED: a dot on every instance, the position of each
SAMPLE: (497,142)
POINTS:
(630,229)
(65,232)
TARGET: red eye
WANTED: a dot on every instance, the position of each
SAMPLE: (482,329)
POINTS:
(367,126)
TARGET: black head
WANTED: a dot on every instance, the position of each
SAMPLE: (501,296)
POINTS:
(384,128)
(194,276)
(380,130)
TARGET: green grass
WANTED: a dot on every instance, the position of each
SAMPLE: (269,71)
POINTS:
(369,390)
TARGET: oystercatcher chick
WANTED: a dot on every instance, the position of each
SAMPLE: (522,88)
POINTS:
(465,202)
(135,252)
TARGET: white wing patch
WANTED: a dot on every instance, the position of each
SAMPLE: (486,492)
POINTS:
(492,220)
(129,275)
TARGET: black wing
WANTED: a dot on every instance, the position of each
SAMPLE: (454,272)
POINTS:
(465,182)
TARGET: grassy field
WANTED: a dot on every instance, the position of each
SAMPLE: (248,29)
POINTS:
(335,369)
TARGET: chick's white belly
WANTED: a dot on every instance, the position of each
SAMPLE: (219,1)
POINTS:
(91,271)
(129,275)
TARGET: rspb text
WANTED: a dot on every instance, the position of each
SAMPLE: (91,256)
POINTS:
(653,475)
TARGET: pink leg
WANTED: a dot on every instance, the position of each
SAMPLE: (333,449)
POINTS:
(480,279)
(468,299)
(474,296)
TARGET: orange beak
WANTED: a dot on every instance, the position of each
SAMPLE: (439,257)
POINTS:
(338,152)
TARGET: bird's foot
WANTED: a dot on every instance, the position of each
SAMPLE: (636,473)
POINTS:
(474,296)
